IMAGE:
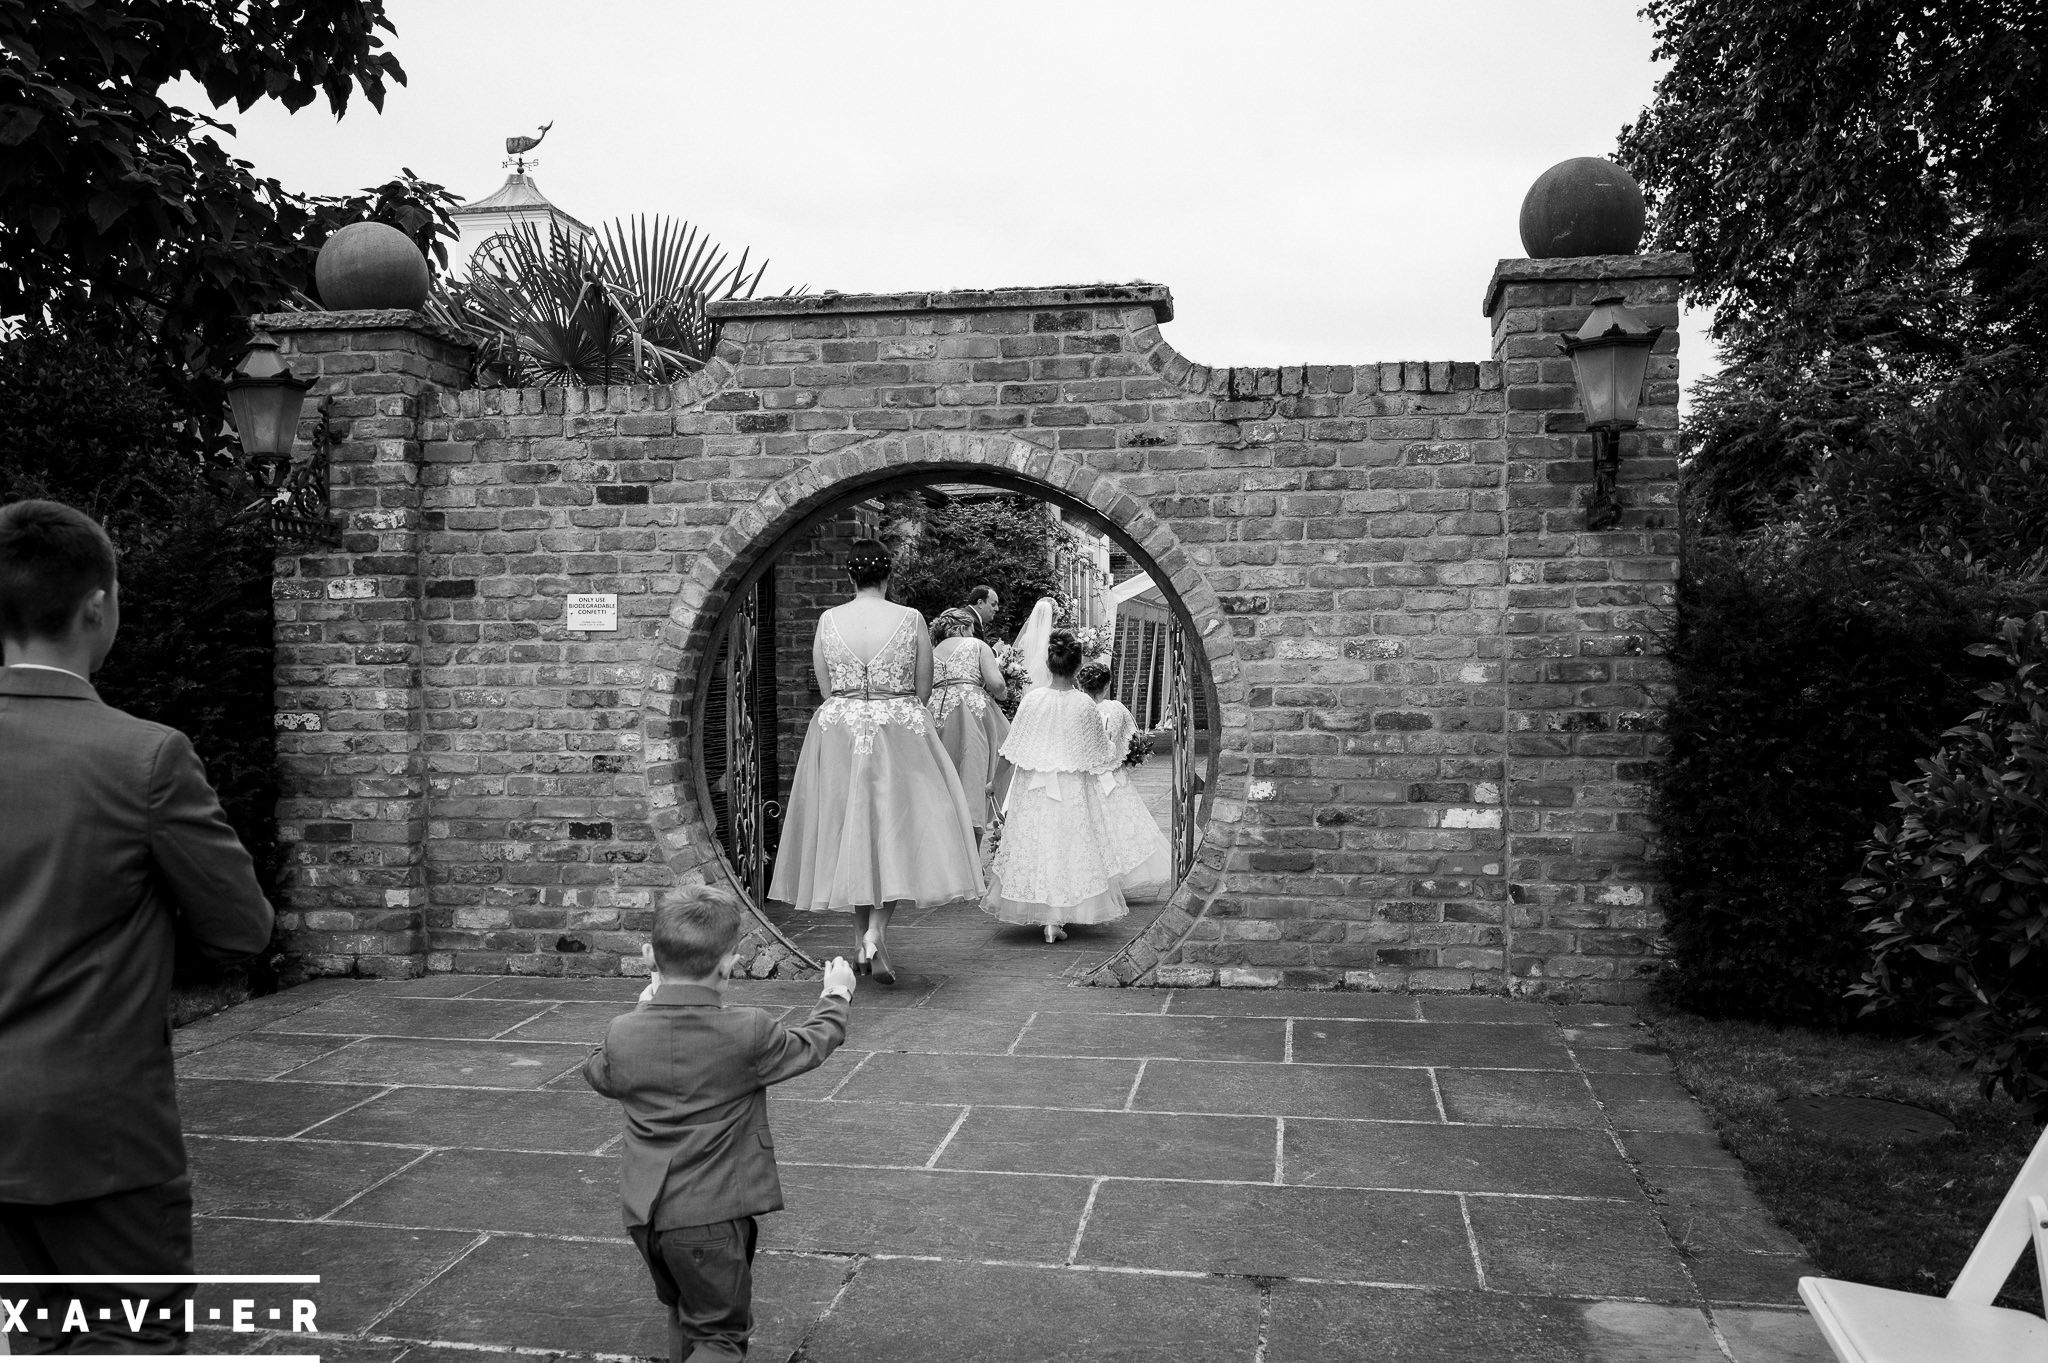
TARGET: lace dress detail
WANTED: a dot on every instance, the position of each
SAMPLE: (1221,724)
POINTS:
(876,812)
(970,726)
(956,682)
(868,695)
(1058,731)
(1057,862)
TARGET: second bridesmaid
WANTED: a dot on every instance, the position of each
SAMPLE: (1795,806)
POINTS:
(967,684)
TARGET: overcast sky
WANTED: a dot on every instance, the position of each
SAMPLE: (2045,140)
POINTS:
(1316,182)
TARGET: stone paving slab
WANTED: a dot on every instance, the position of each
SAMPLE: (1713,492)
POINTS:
(1558,1162)
(1468,1045)
(1518,1097)
(1314,1322)
(364,1271)
(1002,1165)
(1350,1091)
(482,1119)
(1034,1081)
(297,1180)
(1247,1230)
(474,1064)
(1131,1144)
(950,1214)
(500,1190)
(898,1311)
(245,1107)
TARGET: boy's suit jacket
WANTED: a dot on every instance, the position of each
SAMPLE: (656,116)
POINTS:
(108,833)
(693,1076)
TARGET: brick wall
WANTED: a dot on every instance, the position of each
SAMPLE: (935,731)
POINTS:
(1436,691)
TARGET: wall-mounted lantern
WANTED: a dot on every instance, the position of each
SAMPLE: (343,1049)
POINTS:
(1610,355)
(267,400)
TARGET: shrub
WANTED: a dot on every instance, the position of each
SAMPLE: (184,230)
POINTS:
(1808,678)
(1954,895)
(84,421)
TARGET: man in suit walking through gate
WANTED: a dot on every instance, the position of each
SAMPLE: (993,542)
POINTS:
(111,840)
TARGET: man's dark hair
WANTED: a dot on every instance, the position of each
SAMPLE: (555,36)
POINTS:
(1093,677)
(51,558)
(979,593)
(869,563)
(692,935)
(1062,653)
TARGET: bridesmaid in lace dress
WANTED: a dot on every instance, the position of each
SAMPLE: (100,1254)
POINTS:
(877,818)
(1057,863)
(966,684)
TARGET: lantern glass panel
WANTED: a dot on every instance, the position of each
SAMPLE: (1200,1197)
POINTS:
(1610,379)
(266,416)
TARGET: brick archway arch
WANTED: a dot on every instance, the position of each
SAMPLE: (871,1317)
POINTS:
(687,838)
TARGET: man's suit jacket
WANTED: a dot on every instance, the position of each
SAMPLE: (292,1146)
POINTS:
(693,1077)
(109,833)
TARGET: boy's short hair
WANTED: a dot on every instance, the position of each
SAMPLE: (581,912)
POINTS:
(51,558)
(692,935)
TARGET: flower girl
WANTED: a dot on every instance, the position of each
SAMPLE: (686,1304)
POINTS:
(1139,851)
(1057,861)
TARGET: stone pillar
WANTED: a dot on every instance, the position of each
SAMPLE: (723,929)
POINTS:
(1584,679)
(353,793)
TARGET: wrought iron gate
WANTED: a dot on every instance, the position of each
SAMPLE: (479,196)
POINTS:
(740,738)
(1187,781)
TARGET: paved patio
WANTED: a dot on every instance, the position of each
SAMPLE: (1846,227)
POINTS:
(1000,1166)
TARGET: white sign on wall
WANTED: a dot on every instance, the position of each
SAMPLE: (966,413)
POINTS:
(593,610)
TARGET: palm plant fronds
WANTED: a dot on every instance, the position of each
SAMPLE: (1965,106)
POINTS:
(623,305)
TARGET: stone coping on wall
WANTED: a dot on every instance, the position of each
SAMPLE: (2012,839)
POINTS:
(1659,265)
(360,319)
(1156,296)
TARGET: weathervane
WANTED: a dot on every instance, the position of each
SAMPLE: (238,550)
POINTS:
(517,147)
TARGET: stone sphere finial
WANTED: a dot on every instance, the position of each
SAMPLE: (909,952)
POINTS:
(1587,206)
(370,265)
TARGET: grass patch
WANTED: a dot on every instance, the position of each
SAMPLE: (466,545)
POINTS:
(1901,1215)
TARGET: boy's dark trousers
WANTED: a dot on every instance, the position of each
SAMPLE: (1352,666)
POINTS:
(705,1276)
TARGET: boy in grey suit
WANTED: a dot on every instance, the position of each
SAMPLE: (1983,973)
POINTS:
(692,1075)
(110,841)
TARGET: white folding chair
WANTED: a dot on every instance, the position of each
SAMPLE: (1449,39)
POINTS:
(1878,1325)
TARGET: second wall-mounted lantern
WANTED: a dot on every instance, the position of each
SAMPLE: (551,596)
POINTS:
(267,400)
(1610,356)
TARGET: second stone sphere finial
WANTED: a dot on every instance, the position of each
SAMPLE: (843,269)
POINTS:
(1587,206)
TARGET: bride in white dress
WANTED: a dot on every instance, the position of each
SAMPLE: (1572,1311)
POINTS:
(1057,861)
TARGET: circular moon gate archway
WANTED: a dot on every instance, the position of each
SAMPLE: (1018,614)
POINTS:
(714,818)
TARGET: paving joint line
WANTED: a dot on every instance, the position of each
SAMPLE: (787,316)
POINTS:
(1657,1211)
(314,1126)
(506,1035)
(1131,1098)
(364,1192)
(951,1132)
(1081,1230)
(1018,1040)
(423,1285)
(1472,1241)
(838,1087)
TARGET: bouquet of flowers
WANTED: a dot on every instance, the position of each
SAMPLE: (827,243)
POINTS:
(1096,640)
(1011,659)
(1139,750)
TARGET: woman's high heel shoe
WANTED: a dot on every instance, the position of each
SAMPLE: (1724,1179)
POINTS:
(878,964)
(861,959)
